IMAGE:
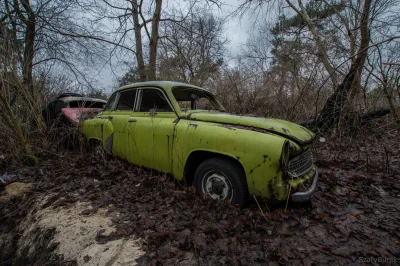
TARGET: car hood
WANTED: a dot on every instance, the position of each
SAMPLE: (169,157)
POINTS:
(75,114)
(287,129)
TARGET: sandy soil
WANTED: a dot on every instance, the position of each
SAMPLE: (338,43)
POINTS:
(76,229)
(14,190)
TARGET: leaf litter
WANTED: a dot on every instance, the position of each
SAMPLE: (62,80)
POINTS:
(353,215)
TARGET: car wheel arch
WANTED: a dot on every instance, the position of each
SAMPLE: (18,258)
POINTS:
(94,141)
(196,157)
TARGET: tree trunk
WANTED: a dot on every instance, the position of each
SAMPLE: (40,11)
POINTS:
(138,41)
(154,40)
(330,114)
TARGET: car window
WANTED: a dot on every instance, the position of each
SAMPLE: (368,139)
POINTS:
(59,105)
(110,102)
(154,100)
(126,100)
(194,99)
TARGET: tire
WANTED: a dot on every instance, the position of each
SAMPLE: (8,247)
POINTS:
(224,179)
(97,149)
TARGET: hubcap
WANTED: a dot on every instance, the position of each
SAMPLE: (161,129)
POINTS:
(217,186)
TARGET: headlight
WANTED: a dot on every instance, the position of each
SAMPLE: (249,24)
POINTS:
(292,147)
(285,155)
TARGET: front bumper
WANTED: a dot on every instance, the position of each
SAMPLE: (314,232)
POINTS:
(306,196)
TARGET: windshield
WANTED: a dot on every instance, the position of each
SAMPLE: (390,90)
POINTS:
(194,99)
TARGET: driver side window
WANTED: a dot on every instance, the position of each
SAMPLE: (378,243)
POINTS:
(126,100)
(154,100)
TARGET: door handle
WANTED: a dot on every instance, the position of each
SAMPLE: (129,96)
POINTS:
(132,120)
(110,118)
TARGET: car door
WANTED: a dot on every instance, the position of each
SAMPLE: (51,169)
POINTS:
(118,118)
(100,127)
(151,130)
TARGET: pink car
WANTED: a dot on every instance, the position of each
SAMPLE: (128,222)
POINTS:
(68,108)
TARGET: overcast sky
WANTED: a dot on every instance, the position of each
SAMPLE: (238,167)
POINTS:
(236,30)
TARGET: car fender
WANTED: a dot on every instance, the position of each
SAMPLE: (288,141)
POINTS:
(99,128)
(258,153)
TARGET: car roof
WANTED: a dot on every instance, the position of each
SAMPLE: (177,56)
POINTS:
(166,85)
(71,99)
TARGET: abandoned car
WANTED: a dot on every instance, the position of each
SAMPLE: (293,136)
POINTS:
(66,108)
(183,130)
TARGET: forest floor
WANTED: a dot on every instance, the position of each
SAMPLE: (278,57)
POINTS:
(75,209)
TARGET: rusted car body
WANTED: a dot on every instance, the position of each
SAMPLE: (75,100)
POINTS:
(67,108)
(183,130)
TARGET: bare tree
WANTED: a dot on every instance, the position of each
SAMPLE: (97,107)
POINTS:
(192,50)
(357,22)
(142,18)
(38,35)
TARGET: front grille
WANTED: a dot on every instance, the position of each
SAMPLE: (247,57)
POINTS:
(300,164)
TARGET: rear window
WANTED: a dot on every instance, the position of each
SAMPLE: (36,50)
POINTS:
(86,104)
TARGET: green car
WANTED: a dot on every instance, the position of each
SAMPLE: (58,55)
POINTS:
(182,130)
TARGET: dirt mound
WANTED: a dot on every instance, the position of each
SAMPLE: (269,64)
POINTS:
(69,233)
(76,228)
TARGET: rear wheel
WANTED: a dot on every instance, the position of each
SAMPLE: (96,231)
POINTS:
(97,149)
(222,179)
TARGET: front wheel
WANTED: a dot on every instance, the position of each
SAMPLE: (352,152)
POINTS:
(222,179)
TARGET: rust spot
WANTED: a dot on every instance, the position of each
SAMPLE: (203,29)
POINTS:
(252,170)
(264,161)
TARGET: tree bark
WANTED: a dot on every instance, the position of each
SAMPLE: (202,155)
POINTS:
(138,41)
(154,40)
